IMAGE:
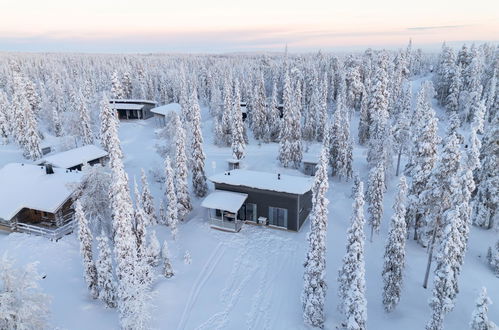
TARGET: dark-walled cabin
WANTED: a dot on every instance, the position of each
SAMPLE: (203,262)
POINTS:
(133,109)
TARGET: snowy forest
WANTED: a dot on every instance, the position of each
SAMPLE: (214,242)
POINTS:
(404,226)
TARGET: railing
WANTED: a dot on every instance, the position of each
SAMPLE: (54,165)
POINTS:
(53,234)
(234,225)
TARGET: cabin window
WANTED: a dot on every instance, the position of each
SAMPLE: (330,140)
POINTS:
(250,212)
(278,217)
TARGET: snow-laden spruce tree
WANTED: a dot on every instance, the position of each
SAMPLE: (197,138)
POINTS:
(290,144)
(4,118)
(146,199)
(167,264)
(85,128)
(141,222)
(31,138)
(364,118)
(351,277)
(394,258)
(273,114)
(117,90)
(198,157)
(153,249)
(259,117)
(441,195)
(238,144)
(107,114)
(479,317)
(94,197)
(171,199)
(181,185)
(493,258)
(453,97)
(341,145)
(23,305)
(401,130)
(378,108)
(375,194)
(322,116)
(445,286)
(105,276)
(486,199)
(314,278)
(423,156)
(226,119)
(85,238)
(313,110)
(125,244)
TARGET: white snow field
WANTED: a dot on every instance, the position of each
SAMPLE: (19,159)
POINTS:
(252,279)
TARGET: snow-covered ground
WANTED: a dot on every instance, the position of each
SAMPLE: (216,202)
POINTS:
(252,279)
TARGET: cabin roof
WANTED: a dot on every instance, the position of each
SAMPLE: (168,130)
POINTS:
(133,101)
(224,200)
(167,108)
(74,157)
(28,186)
(290,184)
(126,106)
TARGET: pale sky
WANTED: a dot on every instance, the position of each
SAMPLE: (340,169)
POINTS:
(216,26)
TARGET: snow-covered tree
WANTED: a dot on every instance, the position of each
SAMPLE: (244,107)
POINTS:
(105,277)
(493,258)
(140,229)
(181,185)
(394,258)
(187,257)
(452,99)
(273,117)
(401,130)
(198,157)
(125,245)
(85,238)
(479,317)
(486,200)
(341,146)
(226,119)
(153,249)
(146,198)
(422,158)
(378,107)
(23,305)
(290,147)
(351,276)
(238,142)
(171,198)
(117,90)
(107,114)
(167,264)
(259,118)
(4,118)
(94,196)
(314,278)
(375,194)
(84,122)
(364,118)
(445,280)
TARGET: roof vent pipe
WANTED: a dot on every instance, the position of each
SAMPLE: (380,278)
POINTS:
(278,176)
(49,169)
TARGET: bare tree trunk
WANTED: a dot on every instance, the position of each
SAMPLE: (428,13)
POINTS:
(398,161)
(430,255)
(372,232)
(416,224)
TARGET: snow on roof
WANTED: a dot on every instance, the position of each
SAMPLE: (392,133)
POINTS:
(314,159)
(290,184)
(136,101)
(74,157)
(126,106)
(167,108)
(28,186)
(224,200)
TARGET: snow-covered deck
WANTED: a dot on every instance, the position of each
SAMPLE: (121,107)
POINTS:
(223,207)
(126,106)
(74,157)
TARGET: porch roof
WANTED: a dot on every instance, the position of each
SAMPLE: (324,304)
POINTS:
(224,200)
